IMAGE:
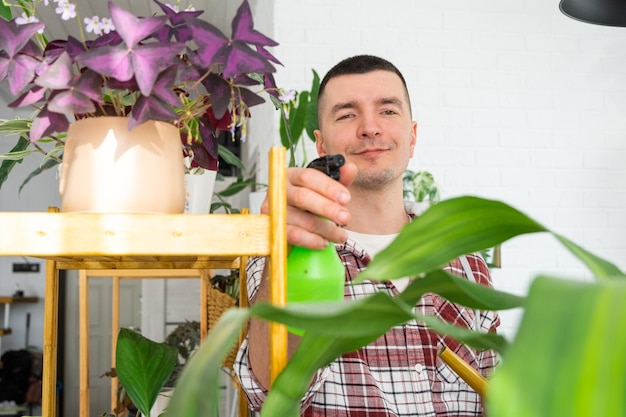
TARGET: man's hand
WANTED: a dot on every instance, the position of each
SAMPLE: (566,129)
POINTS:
(312,197)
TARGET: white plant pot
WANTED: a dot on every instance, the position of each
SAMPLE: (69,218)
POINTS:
(199,191)
(107,168)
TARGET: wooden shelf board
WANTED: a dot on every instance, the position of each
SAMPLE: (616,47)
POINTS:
(8,299)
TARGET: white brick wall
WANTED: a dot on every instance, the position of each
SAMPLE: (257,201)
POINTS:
(514,100)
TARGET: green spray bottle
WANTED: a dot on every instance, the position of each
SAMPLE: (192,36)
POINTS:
(316,275)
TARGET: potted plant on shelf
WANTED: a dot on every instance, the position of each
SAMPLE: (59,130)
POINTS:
(172,75)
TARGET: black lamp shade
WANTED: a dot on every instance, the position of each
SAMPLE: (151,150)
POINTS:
(599,12)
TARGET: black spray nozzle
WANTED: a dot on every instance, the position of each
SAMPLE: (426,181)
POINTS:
(329,165)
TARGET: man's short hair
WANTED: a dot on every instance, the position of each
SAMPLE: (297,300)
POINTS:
(361,64)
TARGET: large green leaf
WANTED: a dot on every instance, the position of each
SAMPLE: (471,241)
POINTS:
(298,115)
(46,165)
(445,231)
(20,127)
(598,266)
(8,163)
(379,311)
(198,388)
(143,366)
(461,291)
(310,121)
(237,186)
(568,358)
(313,353)
(5,11)
(229,157)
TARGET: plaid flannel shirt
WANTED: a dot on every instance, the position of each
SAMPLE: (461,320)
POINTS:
(398,375)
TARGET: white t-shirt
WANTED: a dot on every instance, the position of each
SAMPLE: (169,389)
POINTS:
(374,244)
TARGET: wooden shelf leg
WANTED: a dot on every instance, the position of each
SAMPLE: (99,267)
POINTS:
(50,334)
(115,328)
(83,334)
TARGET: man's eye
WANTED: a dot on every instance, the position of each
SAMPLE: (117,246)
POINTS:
(389,112)
(345,116)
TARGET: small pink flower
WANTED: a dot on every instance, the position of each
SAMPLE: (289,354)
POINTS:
(287,96)
(93,25)
(106,25)
(23,20)
(66,9)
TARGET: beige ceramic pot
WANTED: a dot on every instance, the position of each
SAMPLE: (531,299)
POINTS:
(107,169)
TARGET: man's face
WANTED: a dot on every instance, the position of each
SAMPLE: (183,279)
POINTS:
(366,117)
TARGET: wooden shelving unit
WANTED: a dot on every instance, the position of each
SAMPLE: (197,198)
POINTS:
(89,241)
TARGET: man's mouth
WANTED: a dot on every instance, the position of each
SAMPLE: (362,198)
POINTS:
(370,151)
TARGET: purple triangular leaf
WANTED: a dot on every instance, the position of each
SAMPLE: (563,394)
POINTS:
(148,60)
(90,84)
(72,46)
(150,108)
(111,39)
(219,91)
(14,37)
(242,59)
(183,33)
(189,73)
(244,79)
(20,72)
(177,18)
(58,74)
(46,123)
(269,83)
(71,101)
(209,38)
(243,28)
(163,86)
(4,65)
(31,48)
(202,158)
(164,34)
(109,61)
(32,96)
(265,54)
(133,29)
(116,84)
(250,98)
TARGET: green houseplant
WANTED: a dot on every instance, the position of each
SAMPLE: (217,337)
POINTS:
(174,67)
(567,358)
(298,110)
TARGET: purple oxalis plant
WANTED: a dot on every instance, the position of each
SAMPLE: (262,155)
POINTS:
(173,67)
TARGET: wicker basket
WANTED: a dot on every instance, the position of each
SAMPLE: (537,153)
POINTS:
(218,303)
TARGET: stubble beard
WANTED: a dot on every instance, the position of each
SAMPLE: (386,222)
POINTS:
(374,179)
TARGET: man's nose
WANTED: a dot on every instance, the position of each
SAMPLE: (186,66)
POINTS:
(369,127)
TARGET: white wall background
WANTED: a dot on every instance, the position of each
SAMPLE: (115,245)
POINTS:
(514,101)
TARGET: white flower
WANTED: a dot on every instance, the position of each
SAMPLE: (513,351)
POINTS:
(106,25)
(23,20)
(174,8)
(287,96)
(66,9)
(93,25)
(190,9)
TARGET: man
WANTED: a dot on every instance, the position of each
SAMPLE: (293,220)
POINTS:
(365,114)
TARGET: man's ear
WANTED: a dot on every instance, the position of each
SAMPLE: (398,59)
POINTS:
(319,143)
(413,138)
